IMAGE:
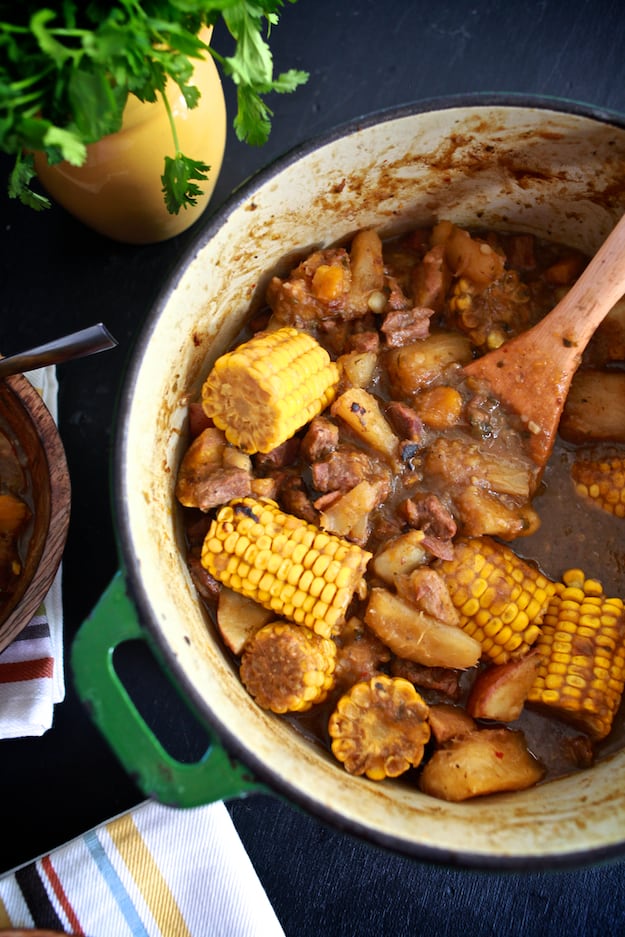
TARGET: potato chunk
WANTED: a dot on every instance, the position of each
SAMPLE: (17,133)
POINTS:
(362,413)
(415,366)
(483,762)
(595,408)
(400,556)
(500,691)
(449,722)
(239,618)
(417,636)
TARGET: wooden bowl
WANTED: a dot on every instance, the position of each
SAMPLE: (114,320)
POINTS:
(24,415)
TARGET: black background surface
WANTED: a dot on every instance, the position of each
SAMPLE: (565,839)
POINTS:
(57,276)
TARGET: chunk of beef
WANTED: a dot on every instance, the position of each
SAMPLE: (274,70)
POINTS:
(221,485)
(405,421)
(283,455)
(322,438)
(360,654)
(294,498)
(427,513)
(431,279)
(364,341)
(207,586)
(403,326)
(344,468)
(438,679)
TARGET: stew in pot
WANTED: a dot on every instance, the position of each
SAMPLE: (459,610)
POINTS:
(384,562)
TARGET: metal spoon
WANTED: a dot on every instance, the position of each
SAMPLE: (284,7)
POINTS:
(75,345)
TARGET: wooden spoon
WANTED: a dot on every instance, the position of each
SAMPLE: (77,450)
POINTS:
(531,374)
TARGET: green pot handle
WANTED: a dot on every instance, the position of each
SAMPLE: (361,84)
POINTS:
(214,777)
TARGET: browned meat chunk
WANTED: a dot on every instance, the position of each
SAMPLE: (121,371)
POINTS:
(431,279)
(403,326)
(206,585)
(364,341)
(439,679)
(294,499)
(344,468)
(221,486)
(360,654)
(279,457)
(322,438)
(405,421)
(429,514)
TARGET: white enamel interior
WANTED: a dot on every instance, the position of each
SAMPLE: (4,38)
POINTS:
(555,174)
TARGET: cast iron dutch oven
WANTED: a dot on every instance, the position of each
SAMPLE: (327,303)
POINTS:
(548,167)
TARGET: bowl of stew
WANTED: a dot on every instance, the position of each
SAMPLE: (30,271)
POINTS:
(35,499)
(336,543)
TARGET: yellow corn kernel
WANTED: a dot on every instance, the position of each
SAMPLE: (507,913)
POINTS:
(380,728)
(581,676)
(264,391)
(602,482)
(288,668)
(507,599)
(309,576)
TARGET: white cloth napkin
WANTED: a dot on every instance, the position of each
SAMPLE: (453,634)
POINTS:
(155,871)
(32,676)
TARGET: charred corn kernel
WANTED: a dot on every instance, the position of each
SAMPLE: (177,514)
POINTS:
(380,728)
(501,598)
(581,676)
(306,575)
(288,668)
(602,482)
(265,390)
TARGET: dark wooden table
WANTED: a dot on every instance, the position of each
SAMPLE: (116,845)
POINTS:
(57,276)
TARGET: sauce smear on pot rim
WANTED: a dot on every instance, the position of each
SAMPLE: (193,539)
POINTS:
(382,559)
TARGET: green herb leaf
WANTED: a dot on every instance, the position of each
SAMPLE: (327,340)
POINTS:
(70,147)
(179,188)
(19,184)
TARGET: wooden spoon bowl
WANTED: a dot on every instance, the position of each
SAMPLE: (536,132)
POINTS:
(531,374)
(24,415)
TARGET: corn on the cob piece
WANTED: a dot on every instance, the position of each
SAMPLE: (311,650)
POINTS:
(284,563)
(501,598)
(602,482)
(265,390)
(379,728)
(582,647)
(288,668)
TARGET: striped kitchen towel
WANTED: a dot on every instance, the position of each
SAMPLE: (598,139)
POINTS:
(155,871)
(31,667)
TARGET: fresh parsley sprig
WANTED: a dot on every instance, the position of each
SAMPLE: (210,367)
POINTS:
(67,68)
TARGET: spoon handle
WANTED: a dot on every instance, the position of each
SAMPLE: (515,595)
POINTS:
(76,345)
(574,320)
